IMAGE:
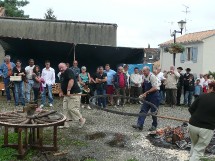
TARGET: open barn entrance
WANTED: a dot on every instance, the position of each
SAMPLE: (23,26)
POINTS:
(91,56)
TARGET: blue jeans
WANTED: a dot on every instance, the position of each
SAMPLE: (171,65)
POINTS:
(162,96)
(188,97)
(145,109)
(36,94)
(101,101)
(6,83)
(19,93)
(29,87)
(49,89)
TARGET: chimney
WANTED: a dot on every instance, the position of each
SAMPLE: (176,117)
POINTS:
(148,46)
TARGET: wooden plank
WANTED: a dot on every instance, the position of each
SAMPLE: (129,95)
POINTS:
(20,144)
(5,136)
(55,137)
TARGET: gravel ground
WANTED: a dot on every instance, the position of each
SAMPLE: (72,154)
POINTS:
(133,144)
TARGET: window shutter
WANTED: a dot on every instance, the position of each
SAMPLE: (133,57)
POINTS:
(182,58)
(195,55)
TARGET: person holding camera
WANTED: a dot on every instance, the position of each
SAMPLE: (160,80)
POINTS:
(171,82)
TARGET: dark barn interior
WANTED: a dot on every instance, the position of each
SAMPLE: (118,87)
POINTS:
(90,56)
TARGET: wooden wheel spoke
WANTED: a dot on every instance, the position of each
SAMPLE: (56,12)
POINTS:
(42,115)
(39,121)
(26,121)
(46,120)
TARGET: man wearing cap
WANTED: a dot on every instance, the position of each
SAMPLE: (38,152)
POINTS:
(188,87)
(179,85)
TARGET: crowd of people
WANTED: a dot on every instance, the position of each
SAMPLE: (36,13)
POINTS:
(156,87)
(32,78)
(172,84)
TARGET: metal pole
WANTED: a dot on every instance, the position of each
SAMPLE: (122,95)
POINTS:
(74,53)
(174,54)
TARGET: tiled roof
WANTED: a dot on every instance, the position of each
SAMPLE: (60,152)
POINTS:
(151,50)
(191,37)
(2,11)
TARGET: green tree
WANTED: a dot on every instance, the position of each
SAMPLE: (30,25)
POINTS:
(12,7)
(50,14)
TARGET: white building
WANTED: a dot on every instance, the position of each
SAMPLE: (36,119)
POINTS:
(199,54)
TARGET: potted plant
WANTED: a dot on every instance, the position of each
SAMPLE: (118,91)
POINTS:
(175,48)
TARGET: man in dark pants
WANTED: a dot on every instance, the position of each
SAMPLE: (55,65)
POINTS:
(179,86)
(188,87)
(151,94)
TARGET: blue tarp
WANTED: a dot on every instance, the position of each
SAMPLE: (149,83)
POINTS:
(140,66)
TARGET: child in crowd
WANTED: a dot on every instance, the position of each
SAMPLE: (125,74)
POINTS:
(85,99)
(198,89)
(37,84)
(205,83)
(190,90)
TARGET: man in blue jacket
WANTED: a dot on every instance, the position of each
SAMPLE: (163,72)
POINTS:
(6,70)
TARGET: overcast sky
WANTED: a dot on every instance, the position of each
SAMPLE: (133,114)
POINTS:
(140,22)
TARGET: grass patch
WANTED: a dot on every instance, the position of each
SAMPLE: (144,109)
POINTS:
(207,159)
(63,139)
(132,159)
(67,141)
(9,154)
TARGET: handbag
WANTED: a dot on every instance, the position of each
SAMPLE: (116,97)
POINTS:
(16,78)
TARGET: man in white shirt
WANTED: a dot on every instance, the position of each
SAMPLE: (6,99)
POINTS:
(136,81)
(127,89)
(29,80)
(48,74)
(161,78)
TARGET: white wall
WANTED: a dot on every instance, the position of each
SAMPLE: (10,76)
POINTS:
(167,60)
(209,55)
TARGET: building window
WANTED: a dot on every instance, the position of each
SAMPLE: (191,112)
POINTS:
(151,57)
(189,54)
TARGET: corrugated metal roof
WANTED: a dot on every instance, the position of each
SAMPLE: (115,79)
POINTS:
(61,21)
